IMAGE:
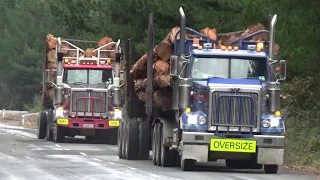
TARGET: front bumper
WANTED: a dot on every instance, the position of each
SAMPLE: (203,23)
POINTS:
(88,123)
(196,145)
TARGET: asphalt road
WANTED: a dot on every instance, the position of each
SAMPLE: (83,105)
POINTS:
(23,156)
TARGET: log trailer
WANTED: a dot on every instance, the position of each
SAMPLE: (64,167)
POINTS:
(85,97)
(226,105)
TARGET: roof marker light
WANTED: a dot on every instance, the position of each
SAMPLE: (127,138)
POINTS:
(260,45)
(195,42)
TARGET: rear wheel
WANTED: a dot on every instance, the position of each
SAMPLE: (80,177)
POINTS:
(144,140)
(154,144)
(158,144)
(49,134)
(271,169)
(120,139)
(124,139)
(168,157)
(132,139)
(42,125)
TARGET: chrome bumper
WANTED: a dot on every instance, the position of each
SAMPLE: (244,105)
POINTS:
(196,146)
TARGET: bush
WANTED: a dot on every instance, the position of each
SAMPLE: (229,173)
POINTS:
(302,112)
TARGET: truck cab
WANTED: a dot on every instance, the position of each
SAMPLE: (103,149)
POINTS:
(231,101)
(87,96)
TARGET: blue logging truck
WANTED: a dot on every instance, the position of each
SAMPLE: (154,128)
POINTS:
(226,105)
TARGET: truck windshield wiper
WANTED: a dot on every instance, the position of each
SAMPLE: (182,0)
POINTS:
(78,83)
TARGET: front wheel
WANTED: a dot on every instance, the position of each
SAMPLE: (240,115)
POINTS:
(271,169)
(188,165)
(49,135)
(58,134)
(42,125)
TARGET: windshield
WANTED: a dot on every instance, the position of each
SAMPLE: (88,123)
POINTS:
(233,68)
(87,76)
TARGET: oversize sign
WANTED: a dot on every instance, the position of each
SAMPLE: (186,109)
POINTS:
(233,145)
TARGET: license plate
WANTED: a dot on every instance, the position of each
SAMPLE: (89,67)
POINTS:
(88,125)
(233,145)
(114,123)
(63,121)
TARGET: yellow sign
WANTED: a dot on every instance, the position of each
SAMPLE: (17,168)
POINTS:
(63,121)
(233,145)
(114,123)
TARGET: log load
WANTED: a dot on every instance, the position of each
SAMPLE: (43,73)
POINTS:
(51,43)
(162,96)
(229,38)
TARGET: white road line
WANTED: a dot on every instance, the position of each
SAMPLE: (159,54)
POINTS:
(97,159)
(243,177)
(22,133)
(132,168)
(57,145)
(154,175)
(84,154)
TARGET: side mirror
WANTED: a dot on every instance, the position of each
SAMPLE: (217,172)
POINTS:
(174,65)
(282,70)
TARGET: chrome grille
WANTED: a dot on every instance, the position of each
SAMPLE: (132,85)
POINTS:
(89,104)
(234,109)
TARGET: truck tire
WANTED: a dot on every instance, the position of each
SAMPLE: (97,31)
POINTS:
(124,140)
(58,133)
(188,165)
(49,135)
(158,144)
(132,140)
(271,169)
(120,134)
(42,125)
(154,144)
(168,157)
(144,140)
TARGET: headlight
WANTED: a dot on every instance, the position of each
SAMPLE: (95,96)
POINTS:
(59,113)
(265,123)
(73,115)
(202,120)
(111,114)
(275,123)
(118,114)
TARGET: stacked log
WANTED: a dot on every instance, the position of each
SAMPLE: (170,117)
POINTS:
(161,76)
(103,41)
(227,39)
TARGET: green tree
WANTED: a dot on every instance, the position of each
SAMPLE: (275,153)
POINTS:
(22,47)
